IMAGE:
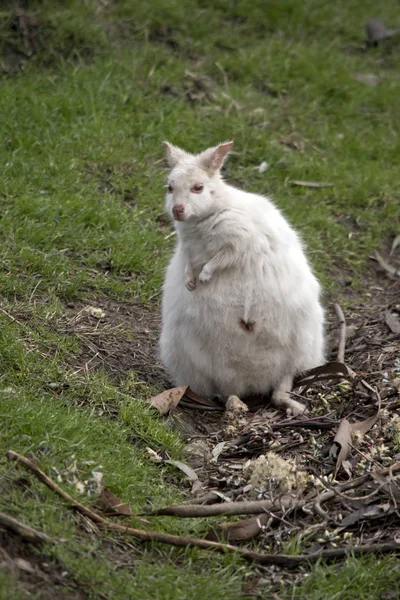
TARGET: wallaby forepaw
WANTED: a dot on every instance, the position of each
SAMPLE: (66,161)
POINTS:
(205,275)
(191,284)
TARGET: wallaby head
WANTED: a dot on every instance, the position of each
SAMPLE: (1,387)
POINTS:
(193,181)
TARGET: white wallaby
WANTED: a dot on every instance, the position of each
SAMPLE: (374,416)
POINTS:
(240,312)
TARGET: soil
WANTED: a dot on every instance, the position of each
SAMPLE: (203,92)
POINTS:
(36,573)
(124,340)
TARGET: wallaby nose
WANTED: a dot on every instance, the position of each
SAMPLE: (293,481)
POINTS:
(178,211)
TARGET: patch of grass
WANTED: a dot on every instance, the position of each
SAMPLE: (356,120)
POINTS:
(365,578)
(10,589)
(60,434)
(82,214)
(81,144)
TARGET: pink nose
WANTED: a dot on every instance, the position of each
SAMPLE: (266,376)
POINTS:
(178,211)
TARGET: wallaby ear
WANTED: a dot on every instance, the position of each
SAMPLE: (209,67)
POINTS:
(213,158)
(174,154)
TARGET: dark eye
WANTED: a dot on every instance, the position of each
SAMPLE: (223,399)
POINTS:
(197,188)
(170,188)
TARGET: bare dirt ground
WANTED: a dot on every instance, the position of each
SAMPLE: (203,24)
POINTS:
(36,573)
(264,455)
(125,339)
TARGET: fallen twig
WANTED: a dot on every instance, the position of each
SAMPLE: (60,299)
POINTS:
(391,269)
(41,475)
(246,507)
(256,507)
(13,319)
(283,560)
(342,333)
(151,536)
(27,533)
(313,423)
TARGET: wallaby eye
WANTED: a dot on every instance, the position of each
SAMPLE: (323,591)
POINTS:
(197,188)
(170,188)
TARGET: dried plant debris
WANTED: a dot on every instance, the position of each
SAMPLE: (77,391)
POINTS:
(85,478)
(168,400)
(109,504)
(367,78)
(311,184)
(94,520)
(330,479)
(391,269)
(188,471)
(346,433)
(395,243)
(272,473)
(239,531)
(377,32)
(392,321)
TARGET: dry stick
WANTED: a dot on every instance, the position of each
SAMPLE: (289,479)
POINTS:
(313,423)
(13,319)
(188,542)
(342,333)
(27,533)
(256,507)
(251,507)
(152,536)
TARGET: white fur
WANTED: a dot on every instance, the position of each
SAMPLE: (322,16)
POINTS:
(237,262)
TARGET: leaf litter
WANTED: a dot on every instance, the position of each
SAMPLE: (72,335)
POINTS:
(331,479)
(168,400)
(311,184)
(392,321)
(279,473)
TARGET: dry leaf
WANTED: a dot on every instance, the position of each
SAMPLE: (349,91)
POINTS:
(348,467)
(396,242)
(197,485)
(25,566)
(341,444)
(184,468)
(332,370)
(392,321)
(367,78)
(311,184)
(109,503)
(217,450)
(377,32)
(375,511)
(168,400)
(391,269)
(364,426)
(390,484)
(193,400)
(239,531)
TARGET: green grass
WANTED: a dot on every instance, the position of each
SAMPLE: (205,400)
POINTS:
(364,579)
(59,434)
(81,137)
(81,199)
